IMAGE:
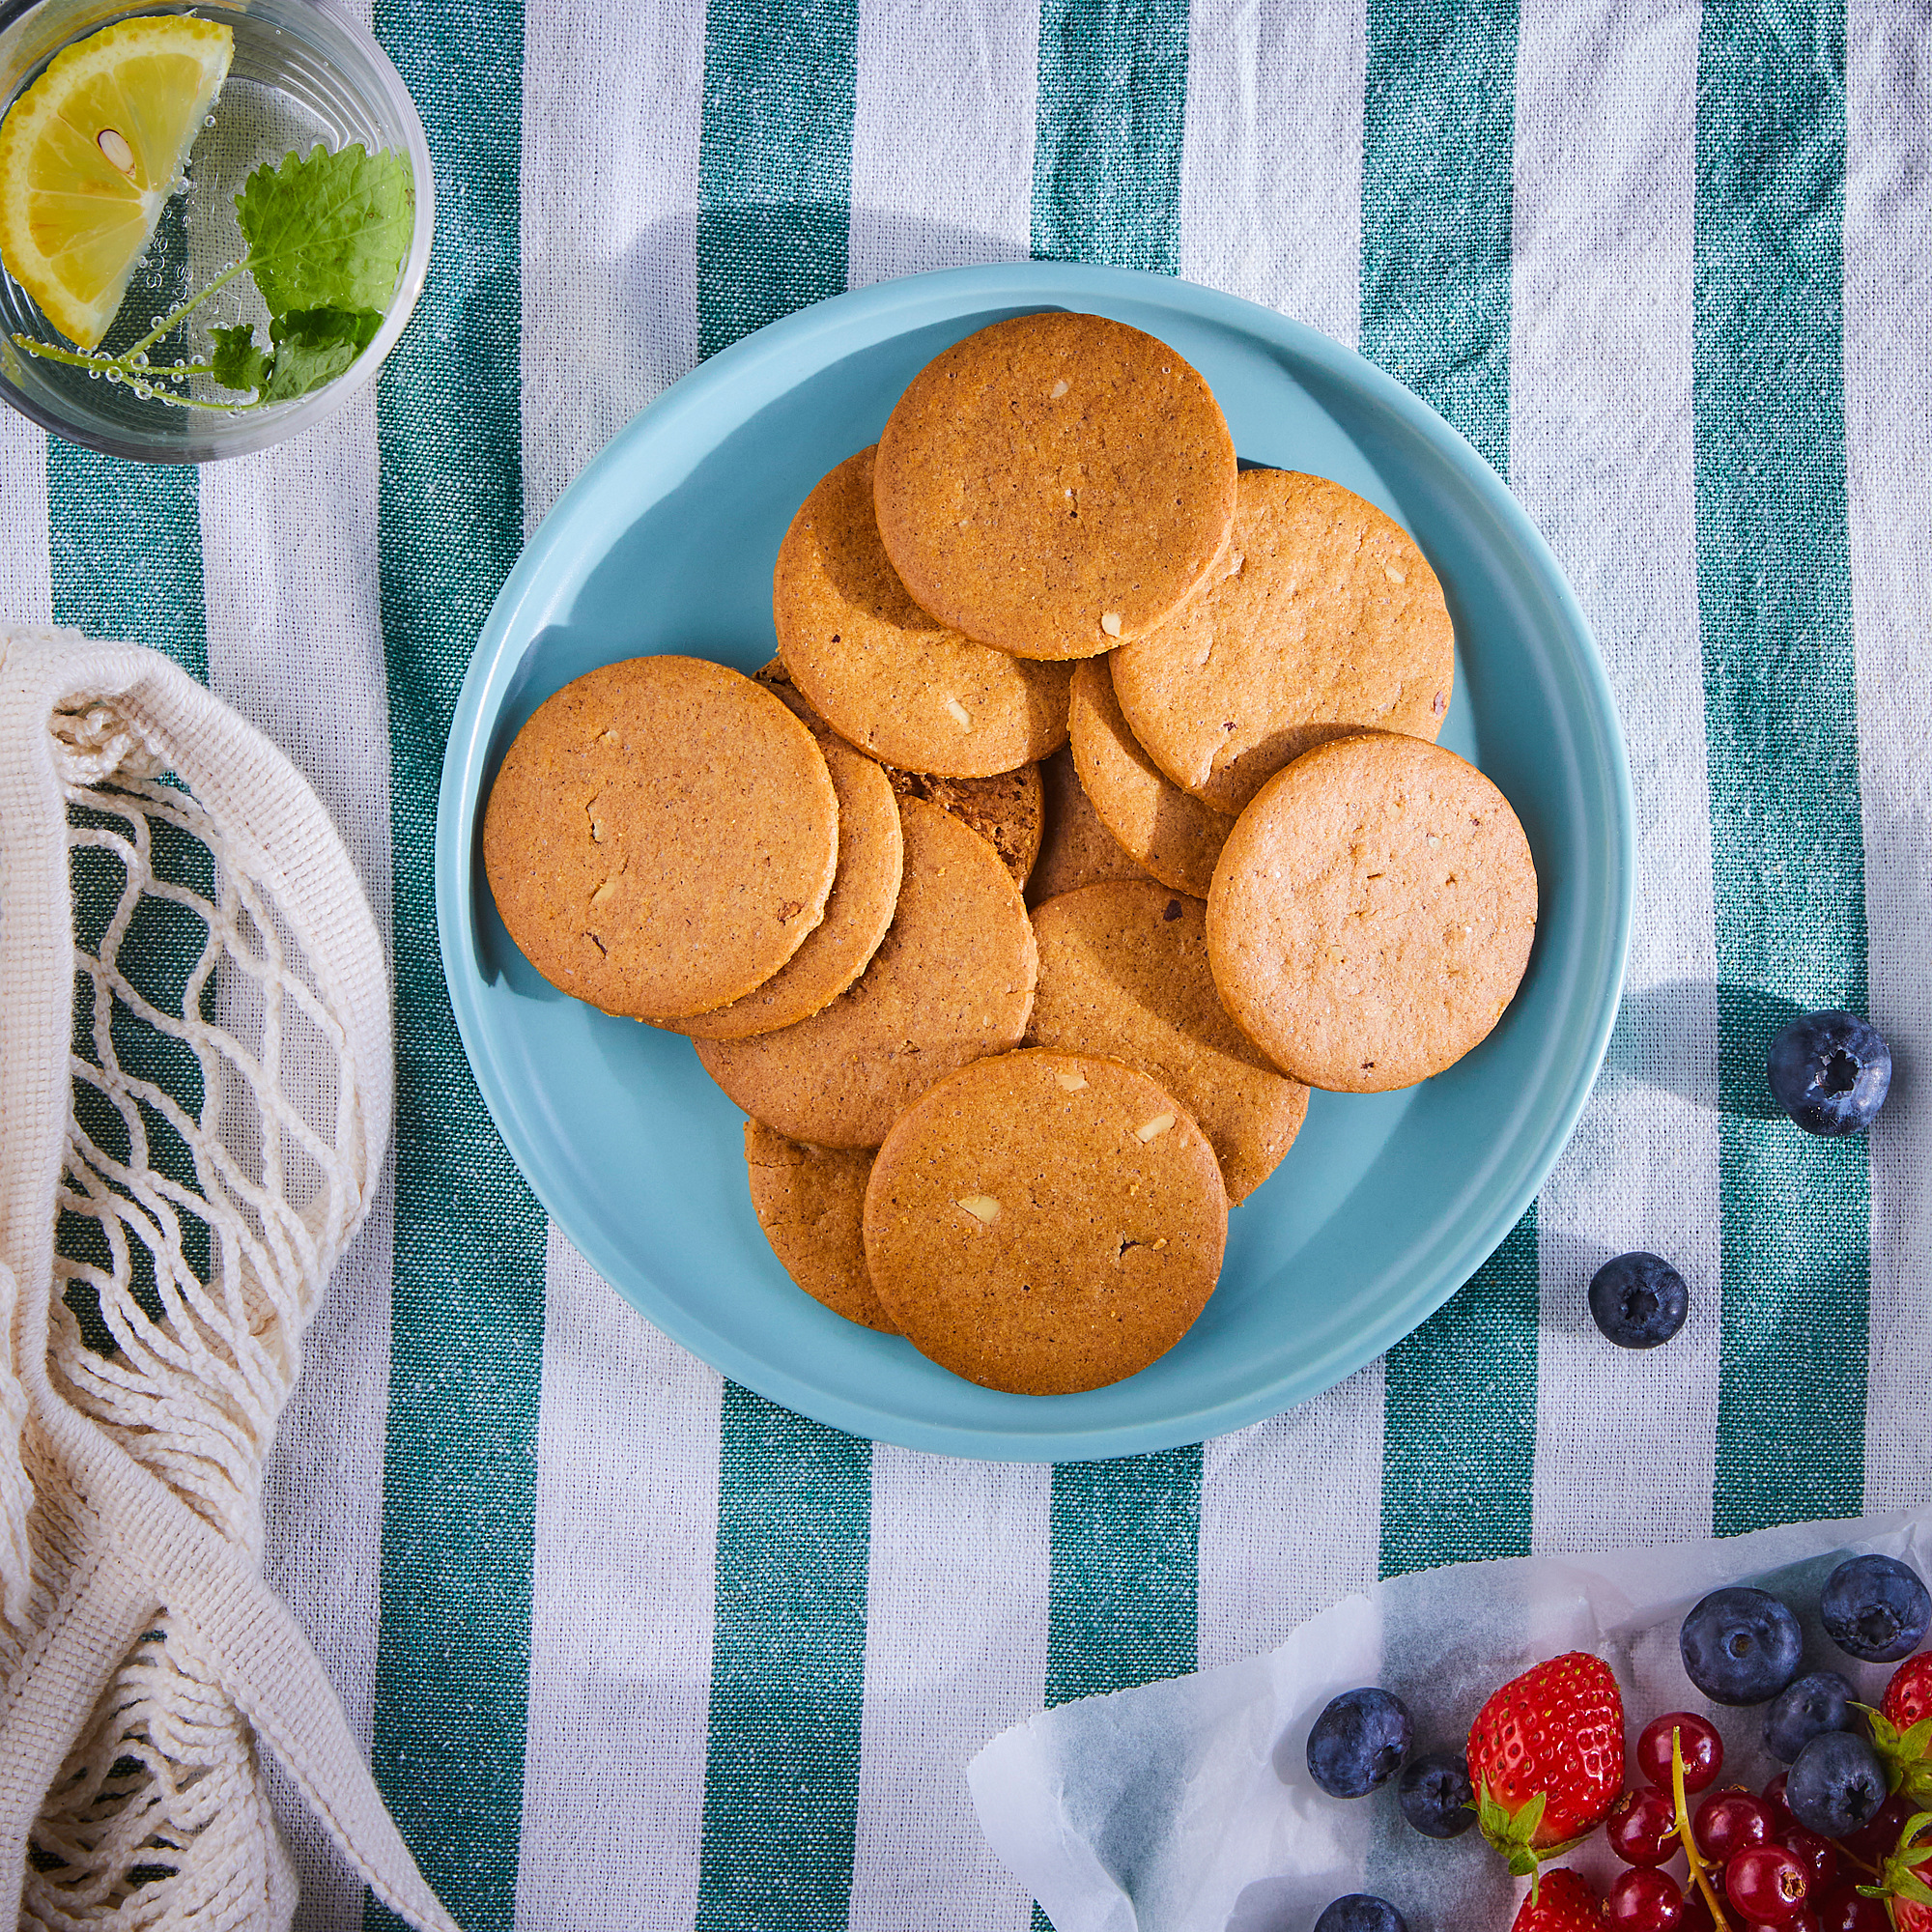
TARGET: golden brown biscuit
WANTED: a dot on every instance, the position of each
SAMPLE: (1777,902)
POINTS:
(895,681)
(1045,1222)
(1075,848)
(1324,619)
(660,837)
(1055,484)
(810,1202)
(858,911)
(1372,913)
(1007,810)
(1124,971)
(1161,828)
(952,980)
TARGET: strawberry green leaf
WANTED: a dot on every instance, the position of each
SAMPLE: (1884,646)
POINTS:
(327,231)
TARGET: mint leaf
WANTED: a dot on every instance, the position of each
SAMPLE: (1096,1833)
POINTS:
(327,231)
(238,363)
(316,346)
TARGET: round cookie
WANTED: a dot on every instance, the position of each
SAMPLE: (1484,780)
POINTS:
(1124,971)
(1045,1222)
(951,980)
(660,837)
(810,1202)
(1325,619)
(895,681)
(1372,913)
(1164,829)
(857,912)
(1007,810)
(1055,484)
(1075,849)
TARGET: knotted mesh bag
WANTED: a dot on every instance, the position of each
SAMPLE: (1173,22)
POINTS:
(194,1101)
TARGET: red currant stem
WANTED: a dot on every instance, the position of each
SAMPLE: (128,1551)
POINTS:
(1687,1835)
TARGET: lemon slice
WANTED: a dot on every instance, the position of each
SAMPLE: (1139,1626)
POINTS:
(89,154)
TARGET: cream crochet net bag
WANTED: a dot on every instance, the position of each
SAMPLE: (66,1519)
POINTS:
(194,1102)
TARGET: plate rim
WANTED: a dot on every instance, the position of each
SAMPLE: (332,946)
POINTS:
(466,749)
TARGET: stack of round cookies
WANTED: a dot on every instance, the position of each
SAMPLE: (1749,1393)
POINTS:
(1046,645)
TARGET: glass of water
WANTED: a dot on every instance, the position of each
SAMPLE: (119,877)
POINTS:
(303,75)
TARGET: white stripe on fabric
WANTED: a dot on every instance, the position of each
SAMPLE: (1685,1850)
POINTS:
(955,1650)
(1271,170)
(1889,461)
(26,569)
(1290,1518)
(613,100)
(623,1587)
(295,643)
(942,135)
(1602,456)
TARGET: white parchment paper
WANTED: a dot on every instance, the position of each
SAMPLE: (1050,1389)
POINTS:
(1186,1805)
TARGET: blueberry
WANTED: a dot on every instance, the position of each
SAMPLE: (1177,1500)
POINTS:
(1820,1702)
(1436,1795)
(1360,1913)
(1741,1646)
(1638,1300)
(1830,1072)
(1876,1609)
(1358,1743)
(1835,1785)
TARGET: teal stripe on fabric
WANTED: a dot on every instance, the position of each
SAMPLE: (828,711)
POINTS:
(794,1497)
(1459,1420)
(1113,103)
(775,161)
(125,545)
(787,1671)
(452,1664)
(1774,586)
(1438,153)
(1125,1578)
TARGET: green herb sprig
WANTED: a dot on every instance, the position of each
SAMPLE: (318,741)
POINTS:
(326,234)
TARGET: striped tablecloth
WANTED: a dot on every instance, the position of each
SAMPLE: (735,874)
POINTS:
(631,1646)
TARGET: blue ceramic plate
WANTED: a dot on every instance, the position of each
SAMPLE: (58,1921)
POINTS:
(1387,1202)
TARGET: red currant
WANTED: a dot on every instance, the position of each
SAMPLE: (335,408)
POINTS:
(1703,1749)
(1642,1826)
(1818,1856)
(1730,1822)
(1767,1883)
(1806,1920)
(1644,1901)
(1877,1839)
(1781,1813)
(1844,1910)
(1696,1914)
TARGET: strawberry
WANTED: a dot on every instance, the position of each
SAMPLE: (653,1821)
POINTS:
(1562,1903)
(1546,1758)
(1901,1729)
(1900,1880)
(1908,1697)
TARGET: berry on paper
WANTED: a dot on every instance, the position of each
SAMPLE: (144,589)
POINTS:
(1875,1608)
(1546,1755)
(1358,1743)
(1741,1646)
